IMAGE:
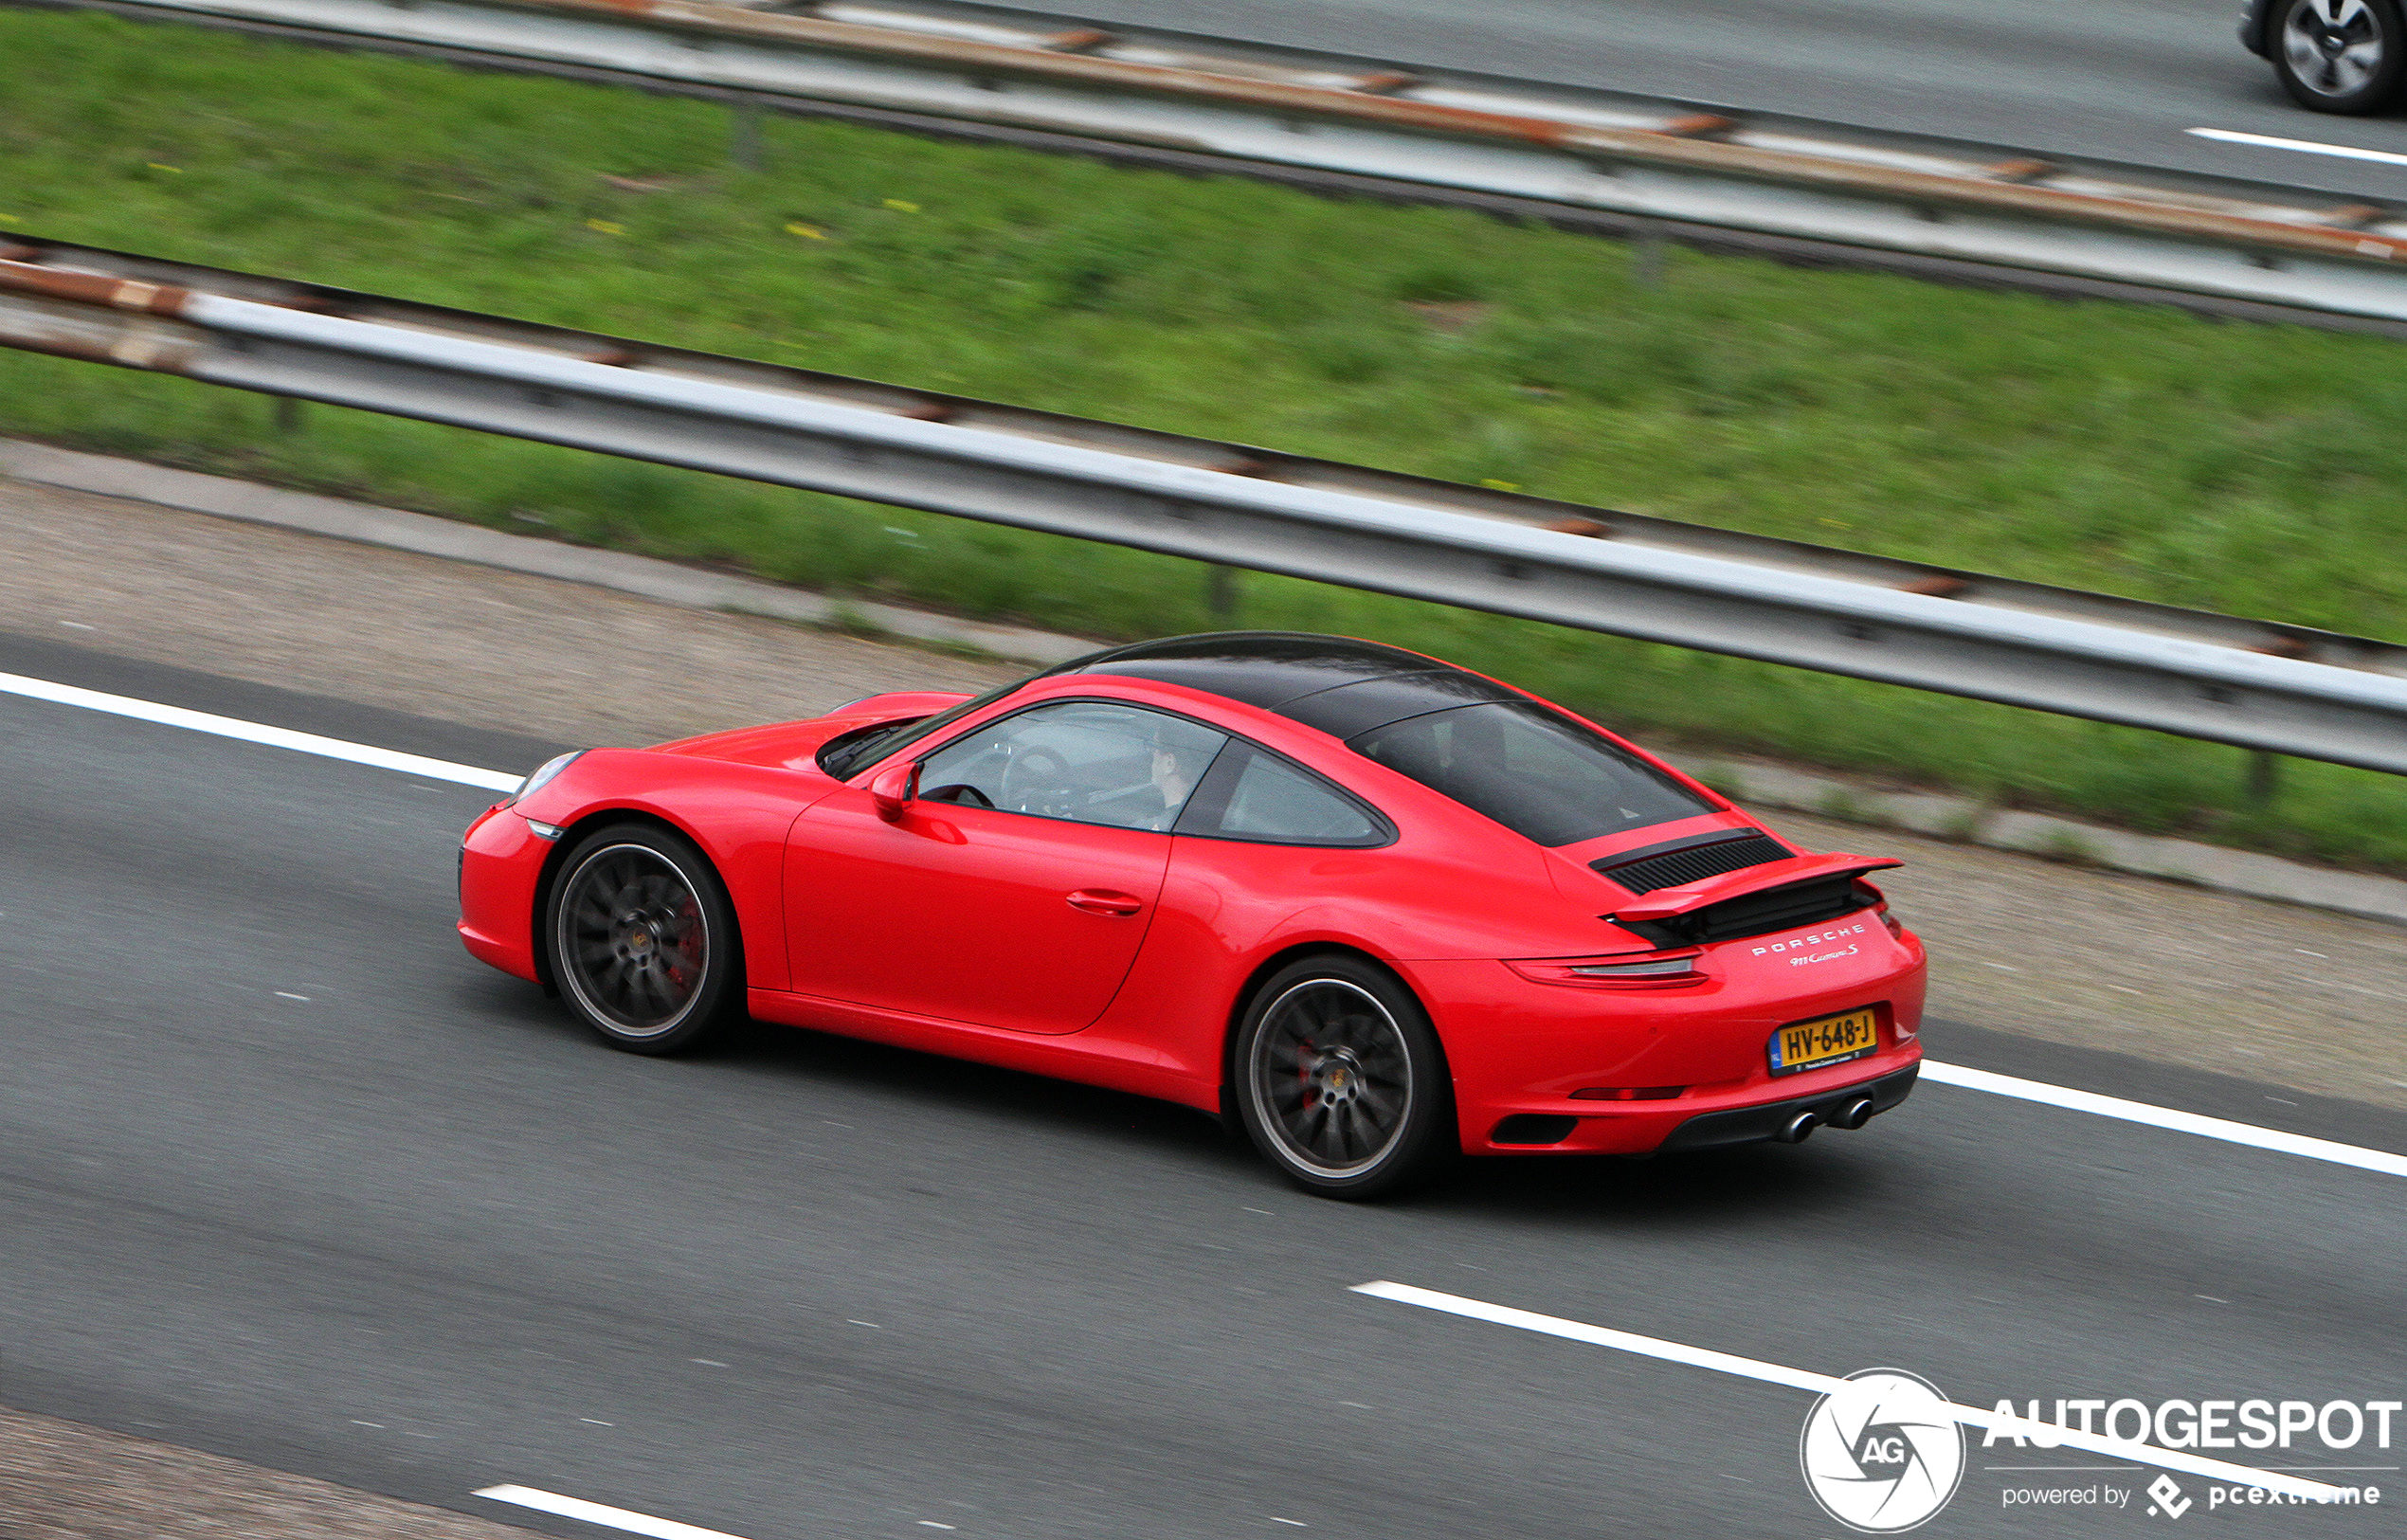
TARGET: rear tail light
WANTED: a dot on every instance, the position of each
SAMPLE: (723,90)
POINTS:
(1627,1093)
(1653,969)
(1880,906)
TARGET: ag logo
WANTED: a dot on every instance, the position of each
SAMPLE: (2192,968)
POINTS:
(1884,1453)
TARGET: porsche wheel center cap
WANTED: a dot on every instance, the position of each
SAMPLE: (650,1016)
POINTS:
(1339,1077)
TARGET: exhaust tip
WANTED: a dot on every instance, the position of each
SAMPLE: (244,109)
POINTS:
(1855,1114)
(1796,1129)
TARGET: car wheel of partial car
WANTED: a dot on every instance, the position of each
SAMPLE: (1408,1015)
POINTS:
(2340,56)
(643,941)
(1341,1081)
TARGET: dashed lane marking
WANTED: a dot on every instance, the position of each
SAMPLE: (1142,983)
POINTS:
(2165,1118)
(2312,147)
(1825,1384)
(616,1519)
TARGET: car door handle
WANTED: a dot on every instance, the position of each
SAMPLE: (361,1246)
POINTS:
(1105,901)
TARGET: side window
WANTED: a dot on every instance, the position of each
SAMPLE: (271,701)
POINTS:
(1088,761)
(1254,795)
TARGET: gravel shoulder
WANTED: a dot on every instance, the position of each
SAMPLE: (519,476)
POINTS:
(2286,996)
(61,1480)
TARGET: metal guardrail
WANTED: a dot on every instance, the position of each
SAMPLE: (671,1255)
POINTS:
(2285,689)
(1584,150)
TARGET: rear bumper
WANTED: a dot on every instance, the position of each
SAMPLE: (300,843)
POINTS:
(1522,1051)
(1752,1125)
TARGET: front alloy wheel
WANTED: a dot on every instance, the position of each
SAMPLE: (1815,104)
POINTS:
(2340,56)
(643,939)
(1343,1084)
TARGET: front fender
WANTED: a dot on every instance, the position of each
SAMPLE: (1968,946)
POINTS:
(738,814)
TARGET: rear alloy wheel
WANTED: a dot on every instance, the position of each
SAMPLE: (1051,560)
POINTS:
(2340,56)
(1342,1083)
(643,942)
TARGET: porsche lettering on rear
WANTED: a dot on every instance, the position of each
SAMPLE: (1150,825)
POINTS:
(1817,938)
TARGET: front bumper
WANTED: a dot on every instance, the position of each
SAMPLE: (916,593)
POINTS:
(500,863)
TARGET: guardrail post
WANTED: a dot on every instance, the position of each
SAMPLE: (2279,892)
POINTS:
(288,414)
(2264,781)
(1219,592)
(744,136)
(1646,259)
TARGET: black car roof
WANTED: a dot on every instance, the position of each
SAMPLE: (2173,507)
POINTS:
(1335,683)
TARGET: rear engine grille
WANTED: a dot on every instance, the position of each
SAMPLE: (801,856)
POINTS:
(1758,914)
(1693,863)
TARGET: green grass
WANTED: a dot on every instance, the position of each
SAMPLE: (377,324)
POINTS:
(2141,451)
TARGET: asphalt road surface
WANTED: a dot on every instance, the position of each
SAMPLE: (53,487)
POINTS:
(2121,79)
(287,1177)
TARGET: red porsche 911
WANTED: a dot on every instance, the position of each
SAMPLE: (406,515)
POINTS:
(1376,909)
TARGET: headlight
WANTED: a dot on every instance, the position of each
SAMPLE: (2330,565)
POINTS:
(544,774)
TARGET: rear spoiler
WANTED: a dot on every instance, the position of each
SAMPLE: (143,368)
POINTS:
(1665,902)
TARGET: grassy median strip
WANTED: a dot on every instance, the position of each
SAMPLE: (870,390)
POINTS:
(2141,451)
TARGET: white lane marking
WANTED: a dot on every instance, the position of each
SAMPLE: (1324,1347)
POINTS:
(287,994)
(275,737)
(1823,1384)
(2266,141)
(616,1519)
(2165,1118)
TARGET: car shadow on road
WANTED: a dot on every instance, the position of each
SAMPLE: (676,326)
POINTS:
(1821,1180)
(932,1081)
(1779,1184)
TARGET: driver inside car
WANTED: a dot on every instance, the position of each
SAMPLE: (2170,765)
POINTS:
(1092,762)
(1154,803)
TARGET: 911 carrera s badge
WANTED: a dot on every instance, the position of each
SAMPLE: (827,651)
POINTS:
(1884,1453)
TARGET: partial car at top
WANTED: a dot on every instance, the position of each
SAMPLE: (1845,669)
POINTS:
(1375,910)
(2337,56)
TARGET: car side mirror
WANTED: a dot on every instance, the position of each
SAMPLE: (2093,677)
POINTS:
(892,789)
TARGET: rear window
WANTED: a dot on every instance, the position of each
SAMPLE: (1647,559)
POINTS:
(1538,774)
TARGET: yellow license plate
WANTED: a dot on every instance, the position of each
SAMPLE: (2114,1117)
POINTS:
(1833,1039)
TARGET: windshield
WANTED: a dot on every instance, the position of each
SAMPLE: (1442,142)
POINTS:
(844,755)
(1538,774)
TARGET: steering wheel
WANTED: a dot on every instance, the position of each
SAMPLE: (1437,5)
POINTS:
(1038,781)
